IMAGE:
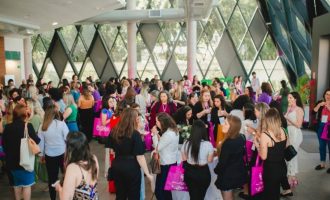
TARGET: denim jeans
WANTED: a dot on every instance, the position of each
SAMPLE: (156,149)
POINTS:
(323,143)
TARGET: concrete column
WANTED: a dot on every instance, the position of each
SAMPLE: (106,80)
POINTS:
(191,48)
(2,60)
(131,42)
(27,58)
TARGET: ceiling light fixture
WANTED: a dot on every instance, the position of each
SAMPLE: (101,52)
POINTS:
(54,23)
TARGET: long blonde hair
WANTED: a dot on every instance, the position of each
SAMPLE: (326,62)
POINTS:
(273,122)
(51,113)
(262,108)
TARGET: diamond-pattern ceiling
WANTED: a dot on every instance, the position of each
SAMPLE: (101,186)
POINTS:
(233,41)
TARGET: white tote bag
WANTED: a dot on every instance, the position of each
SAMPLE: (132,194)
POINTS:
(26,156)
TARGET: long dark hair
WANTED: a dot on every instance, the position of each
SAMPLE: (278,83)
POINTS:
(77,151)
(166,122)
(198,133)
(297,97)
(126,125)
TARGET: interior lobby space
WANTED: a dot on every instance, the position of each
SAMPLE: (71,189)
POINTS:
(55,53)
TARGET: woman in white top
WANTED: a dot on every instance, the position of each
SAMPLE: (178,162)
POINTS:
(53,134)
(197,151)
(167,145)
(295,118)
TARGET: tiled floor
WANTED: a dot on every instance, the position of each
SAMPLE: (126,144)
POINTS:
(313,185)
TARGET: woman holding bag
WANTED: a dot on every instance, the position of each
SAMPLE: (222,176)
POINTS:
(295,118)
(19,178)
(167,146)
(197,151)
(271,149)
(322,109)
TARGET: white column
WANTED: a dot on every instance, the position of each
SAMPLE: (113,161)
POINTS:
(191,48)
(131,42)
(27,58)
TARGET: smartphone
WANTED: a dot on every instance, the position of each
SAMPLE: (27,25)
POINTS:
(222,120)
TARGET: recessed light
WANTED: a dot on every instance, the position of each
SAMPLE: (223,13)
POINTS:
(54,23)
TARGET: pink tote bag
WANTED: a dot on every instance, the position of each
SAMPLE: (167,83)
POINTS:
(257,183)
(175,179)
(249,151)
(325,135)
(99,130)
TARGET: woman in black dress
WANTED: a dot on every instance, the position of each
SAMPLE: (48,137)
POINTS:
(231,169)
(125,142)
(271,150)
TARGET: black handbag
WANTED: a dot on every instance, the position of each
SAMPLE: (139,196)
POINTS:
(155,163)
(289,153)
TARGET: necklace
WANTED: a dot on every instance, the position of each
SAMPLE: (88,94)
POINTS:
(164,106)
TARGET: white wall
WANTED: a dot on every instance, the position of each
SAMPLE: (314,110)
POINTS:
(15,44)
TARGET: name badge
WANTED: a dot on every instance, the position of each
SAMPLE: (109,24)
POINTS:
(324,119)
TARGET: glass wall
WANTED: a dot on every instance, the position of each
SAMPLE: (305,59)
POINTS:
(234,40)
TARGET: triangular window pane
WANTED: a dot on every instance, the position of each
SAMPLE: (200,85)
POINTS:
(68,72)
(248,8)
(171,31)
(215,22)
(214,70)
(47,37)
(236,27)
(124,70)
(260,71)
(278,75)
(88,34)
(226,7)
(161,53)
(69,34)
(119,54)
(269,51)
(79,54)
(51,74)
(150,71)
(109,34)
(89,71)
(39,53)
(204,56)
(247,52)
(143,55)
(180,53)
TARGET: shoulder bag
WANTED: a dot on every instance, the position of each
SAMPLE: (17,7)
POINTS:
(155,163)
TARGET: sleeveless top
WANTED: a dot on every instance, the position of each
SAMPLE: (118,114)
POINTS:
(276,152)
(73,116)
(85,191)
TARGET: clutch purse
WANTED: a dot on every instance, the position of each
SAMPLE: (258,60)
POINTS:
(289,153)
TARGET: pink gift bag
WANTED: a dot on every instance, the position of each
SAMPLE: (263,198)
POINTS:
(325,135)
(249,152)
(99,130)
(175,179)
(211,134)
(257,183)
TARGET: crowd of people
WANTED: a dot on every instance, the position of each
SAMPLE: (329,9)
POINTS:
(233,124)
